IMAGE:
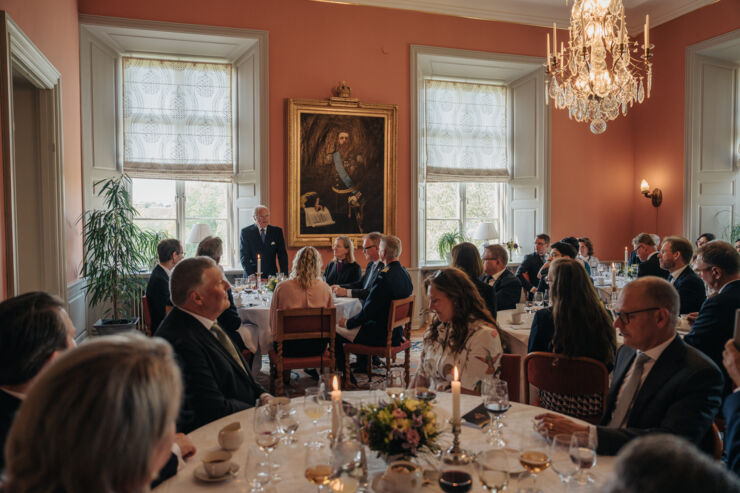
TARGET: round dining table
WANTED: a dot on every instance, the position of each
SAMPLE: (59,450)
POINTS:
(290,458)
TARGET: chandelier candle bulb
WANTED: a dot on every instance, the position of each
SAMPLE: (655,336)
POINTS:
(548,52)
(456,398)
(554,37)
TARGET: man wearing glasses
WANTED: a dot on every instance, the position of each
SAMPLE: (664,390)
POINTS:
(660,384)
(647,252)
(507,286)
(360,289)
(264,240)
(169,252)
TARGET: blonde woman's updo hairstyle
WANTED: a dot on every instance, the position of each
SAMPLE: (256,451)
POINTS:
(307,266)
(347,243)
(95,419)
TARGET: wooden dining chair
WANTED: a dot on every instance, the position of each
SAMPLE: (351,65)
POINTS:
(573,386)
(401,314)
(146,316)
(511,373)
(296,325)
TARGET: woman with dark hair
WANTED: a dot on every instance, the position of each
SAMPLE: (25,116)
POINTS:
(557,250)
(586,252)
(343,269)
(577,324)
(465,257)
(704,238)
(462,332)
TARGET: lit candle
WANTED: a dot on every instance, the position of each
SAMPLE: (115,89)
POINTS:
(259,265)
(626,256)
(456,398)
(614,277)
(336,407)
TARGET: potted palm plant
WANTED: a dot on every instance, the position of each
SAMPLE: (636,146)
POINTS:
(116,249)
(446,242)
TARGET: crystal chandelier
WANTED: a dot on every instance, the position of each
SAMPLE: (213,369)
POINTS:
(598,73)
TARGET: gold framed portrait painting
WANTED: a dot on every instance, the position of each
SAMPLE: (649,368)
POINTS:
(341,170)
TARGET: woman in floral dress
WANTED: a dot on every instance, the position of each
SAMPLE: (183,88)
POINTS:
(462,332)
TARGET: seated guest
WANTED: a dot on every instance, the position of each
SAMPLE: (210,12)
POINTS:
(360,289)
(370,326)
(704,238)
(577,324)
(507,286)
(217,379)
(659,384)
(530,266)
(557,250)
(718,265)
(170,253)
(465,257)
(304,289)
(647,252)
(586,253)
(343,269)
(659,463)
(462,332)
(101,418)
(675,256)
(731,408)
(35,329)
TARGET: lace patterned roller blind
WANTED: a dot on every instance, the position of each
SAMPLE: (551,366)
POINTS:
(466,132)
(177,119)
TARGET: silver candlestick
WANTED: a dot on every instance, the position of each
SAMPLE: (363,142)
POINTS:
(456,455)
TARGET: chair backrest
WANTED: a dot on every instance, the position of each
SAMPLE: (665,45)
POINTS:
(511,373)
(570,378)
(401,314)
(306,323)
(145,313)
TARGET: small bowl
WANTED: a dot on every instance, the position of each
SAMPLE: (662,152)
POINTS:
(455,482)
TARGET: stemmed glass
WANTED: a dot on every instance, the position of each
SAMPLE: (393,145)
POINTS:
(314,406)
(560,457)
(534,456)
(255,471)
(288,422)
(267,432)
(583,455)
(495,395)
(493,469)
(395,386)
(424,385)
(539,299)
(546,297)
(318,466)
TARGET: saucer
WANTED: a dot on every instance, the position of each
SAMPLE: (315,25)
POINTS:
(378,485)
(201,474)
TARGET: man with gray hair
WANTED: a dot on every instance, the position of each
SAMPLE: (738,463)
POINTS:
(505,283)
(647,252)
(718,265)
(263,240)
(216,377)
(675,257)
(659,384)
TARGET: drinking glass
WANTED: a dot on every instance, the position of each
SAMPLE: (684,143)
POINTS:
(424,385)
(267,432)
(377,392)
(318,466)
(538,300)
(256,472)
(534,456)
(495,395)
(560,457)
(493,469)
(583,455)
(315,406)
(288,422)
(395,384)
(546,296)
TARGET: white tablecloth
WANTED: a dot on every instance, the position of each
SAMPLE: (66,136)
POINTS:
(291,459)
(255,329)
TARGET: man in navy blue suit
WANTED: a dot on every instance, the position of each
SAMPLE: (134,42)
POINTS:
(266,241)
(675,256)
(530,266)
(647,252)
(507,286)
(718,265)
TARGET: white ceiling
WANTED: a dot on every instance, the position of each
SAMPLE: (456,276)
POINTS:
(538,12)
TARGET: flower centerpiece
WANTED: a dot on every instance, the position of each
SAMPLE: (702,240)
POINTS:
(511,245)
(271,284)
(402,427)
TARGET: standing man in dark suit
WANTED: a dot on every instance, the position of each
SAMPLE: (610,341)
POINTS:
(675,257)
(216,377)
(718,265)
(531,265)
(659,384)
(361,288)
(647,252)
(507,286)
(169,252)
(370,326)
(266,241)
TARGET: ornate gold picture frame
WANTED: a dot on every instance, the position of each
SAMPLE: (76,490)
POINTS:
(341,169)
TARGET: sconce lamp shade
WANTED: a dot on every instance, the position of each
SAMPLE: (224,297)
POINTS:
(486,231)
(199,232)
(644,187)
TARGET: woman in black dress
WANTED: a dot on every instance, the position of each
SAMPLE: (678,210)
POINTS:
(343,269)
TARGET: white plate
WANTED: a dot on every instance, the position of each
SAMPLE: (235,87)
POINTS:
(201,474)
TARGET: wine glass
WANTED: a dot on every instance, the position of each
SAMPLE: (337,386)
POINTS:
(493,469)
(583,455)
(534,456)
(495,393)
(424,385)
(560,457)
(314,406)
(288,422)
(267,432)
(539,299)
(395,385)
(255,471)
(318,466)
(546,296)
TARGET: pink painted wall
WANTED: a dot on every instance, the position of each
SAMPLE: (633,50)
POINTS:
(53,26)
(658,126)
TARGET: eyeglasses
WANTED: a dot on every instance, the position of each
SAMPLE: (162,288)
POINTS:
(625,316)
(364,248)
(262,217)
(489,258)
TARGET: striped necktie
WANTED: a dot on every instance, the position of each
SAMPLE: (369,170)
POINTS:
(627,399)
(224,340)
(262,234)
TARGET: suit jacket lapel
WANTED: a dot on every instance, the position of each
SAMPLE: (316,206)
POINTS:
(203,335)
(662,371)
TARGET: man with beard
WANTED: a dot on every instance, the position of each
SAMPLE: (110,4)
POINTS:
(346,163)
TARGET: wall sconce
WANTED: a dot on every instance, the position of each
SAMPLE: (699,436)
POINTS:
(656,195)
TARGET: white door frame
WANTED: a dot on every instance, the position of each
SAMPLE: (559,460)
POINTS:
(18,53)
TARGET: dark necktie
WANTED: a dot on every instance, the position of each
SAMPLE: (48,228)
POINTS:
(369,277)
(627,399)
(262,234)
(670,278)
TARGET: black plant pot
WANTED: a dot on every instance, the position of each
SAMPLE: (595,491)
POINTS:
(108,326)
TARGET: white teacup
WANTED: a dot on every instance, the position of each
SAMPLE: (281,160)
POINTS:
(402,476)
(217,463)
(231,436)
(516,318)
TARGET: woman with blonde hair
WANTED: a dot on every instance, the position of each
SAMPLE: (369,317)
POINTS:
(100,418)
(304,289)
(343,269)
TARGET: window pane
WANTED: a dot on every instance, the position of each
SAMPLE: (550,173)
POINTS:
(442,201)
(482,200)
(205,200)
(168,227)
(435,229)
(219,228)
(154,199)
